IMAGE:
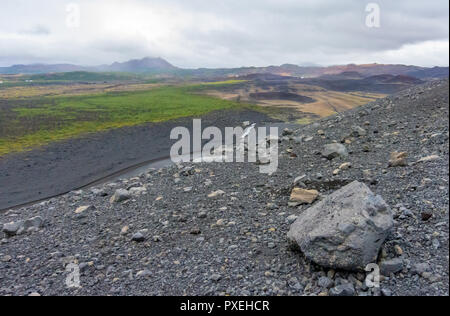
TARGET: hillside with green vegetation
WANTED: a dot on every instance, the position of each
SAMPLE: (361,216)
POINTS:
(34,122)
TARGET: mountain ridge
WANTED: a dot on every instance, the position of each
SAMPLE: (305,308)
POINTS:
(161,66)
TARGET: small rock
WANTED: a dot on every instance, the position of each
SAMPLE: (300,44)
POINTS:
(120,195)
(195,231)
(332,151)
(358,131)
(143,274)
(398,250)
(429,158)
(136,191)
(436,244)
(346,289)
(124,230)
(420,268)
(138,237)
(426,216)
(398,159)
(216,277)
(33,223)
(304,196)
(12,228)
(386,292)
(325,282)
(220,222)
(393,266)
(216,194)
(83,209)
(345,166)
(287,132)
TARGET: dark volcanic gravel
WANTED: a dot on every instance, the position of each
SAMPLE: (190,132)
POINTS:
(235,243)
(68,165)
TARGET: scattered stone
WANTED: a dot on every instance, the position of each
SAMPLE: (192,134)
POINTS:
(325,282)
(420,268)
(345,289)
(33,224)
(143,274)
(345,230)
(398,250)
(386,292)
(20,227)
(436,244)
(195,231)
(304,196)
(358,131)
(136,191)
(215,277)
(290,219)
(429,158)
(124,230)
(426,216)
(295,284)
(216,194)
(299,179)
(332,151)
(138,237)
(345,166)
(12,228)
(83,209)
(99,192)
(398,159)
(287,132)
(120,195)
(392,266)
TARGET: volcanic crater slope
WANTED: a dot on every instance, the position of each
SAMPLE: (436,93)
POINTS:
(221,229)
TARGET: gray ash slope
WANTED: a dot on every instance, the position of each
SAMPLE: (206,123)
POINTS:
(235,243)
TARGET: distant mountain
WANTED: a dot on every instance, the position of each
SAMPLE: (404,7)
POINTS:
(333,72)
(162,67)
(140,66)
(41,68)
(145,65)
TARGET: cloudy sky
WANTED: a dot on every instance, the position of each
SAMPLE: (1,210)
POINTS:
(224,33)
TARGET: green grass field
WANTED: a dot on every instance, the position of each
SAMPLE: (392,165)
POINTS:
(25,124)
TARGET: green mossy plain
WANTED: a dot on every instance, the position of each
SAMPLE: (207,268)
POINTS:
(50,119)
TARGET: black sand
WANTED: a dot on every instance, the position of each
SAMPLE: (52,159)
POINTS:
(69,165)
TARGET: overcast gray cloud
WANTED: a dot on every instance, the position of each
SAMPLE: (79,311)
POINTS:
(224,33)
